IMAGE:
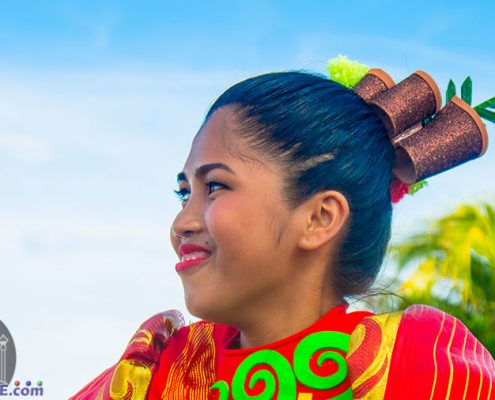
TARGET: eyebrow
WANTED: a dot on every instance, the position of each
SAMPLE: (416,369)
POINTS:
(203,170)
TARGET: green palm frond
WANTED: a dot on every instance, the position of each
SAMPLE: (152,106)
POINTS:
(451,266)
(460,247)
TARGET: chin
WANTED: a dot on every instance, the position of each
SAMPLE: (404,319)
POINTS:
(197,306)
(206,310)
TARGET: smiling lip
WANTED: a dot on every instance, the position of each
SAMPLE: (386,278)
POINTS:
(183,265)
(189,248)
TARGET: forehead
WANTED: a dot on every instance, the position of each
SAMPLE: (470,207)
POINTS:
(219,141)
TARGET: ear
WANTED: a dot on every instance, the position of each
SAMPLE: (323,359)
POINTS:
(325,217)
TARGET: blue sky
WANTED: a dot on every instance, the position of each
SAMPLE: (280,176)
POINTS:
(259,34)
(99,101)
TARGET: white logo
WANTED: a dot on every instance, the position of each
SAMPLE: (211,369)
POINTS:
(3,359)
(7,356)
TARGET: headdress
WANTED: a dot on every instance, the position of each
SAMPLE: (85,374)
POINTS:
(428,139)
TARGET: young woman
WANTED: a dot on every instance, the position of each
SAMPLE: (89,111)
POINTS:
(286,211)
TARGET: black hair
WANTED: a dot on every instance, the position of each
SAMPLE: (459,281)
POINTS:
(326,138)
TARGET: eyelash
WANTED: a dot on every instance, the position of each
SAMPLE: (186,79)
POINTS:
(182,193)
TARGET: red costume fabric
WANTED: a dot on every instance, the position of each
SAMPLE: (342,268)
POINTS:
(226,359)
(419,353)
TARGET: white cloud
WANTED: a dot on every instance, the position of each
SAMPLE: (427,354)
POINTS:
(84,252)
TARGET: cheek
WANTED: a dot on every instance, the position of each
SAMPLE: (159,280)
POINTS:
(236,230)
(238,226)
(223,221)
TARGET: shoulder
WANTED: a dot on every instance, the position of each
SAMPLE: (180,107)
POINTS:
(139,360)
(193,339)
(168,329)
(420,350)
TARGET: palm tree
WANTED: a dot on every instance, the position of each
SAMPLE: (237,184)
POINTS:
(452,267)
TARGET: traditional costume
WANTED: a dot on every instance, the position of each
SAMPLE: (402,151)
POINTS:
(418,353)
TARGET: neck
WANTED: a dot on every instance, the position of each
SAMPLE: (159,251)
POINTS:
(284,314)
(274,330)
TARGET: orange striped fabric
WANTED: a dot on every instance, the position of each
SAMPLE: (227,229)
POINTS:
(435,356)
(370,353)
(421,354)
(193,373)
(432,356)
(129,379)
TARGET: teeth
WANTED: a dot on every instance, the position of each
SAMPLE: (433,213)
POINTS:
(194,255)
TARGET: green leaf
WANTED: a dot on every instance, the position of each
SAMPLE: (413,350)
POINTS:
(486,114)
(490,103)
(417,186)
(467,90)
(451,91)
(456,256)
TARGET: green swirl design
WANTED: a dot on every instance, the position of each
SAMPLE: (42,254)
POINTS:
(314,343)
(347,395)
(223,389)
(283,372)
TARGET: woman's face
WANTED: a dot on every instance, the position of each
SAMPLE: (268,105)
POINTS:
(234,235)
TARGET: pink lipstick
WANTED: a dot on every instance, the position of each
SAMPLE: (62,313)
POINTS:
(191,255)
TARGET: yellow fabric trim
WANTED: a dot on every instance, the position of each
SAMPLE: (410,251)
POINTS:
(489,380)
(145,338)
(388,325)
(466,385)
(356,339)
(133,373)
(100,394)
(435,357)
(192,367)
(479,367)
(451,364)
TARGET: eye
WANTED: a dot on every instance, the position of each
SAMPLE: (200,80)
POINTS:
(183,194)
(214,186)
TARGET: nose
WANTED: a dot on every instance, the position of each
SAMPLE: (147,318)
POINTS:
(189,221)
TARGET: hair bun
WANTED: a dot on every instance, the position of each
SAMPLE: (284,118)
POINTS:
(374,82)
(415,98)
(455,136)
